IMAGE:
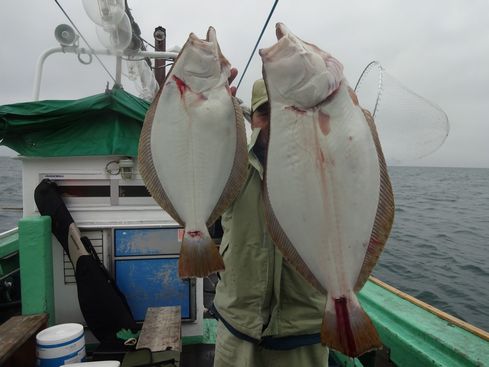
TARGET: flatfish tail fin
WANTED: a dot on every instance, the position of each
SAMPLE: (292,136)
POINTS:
(199,256)
(384,216)
(347,328)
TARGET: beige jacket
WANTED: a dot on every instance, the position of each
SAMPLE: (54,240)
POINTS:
(259,293)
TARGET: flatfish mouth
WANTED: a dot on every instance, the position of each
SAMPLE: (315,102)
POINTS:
(328,199)
(192,149)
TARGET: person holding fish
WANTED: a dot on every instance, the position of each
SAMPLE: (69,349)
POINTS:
(268,314)
(306,212)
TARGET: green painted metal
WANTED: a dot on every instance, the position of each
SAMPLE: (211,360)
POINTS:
(210,326)
(346,361)
(9,253)
(36,266)
(417,337)
(195,339)
(208,336)
(9,264)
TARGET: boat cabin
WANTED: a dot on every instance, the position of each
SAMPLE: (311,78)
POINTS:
(89,148)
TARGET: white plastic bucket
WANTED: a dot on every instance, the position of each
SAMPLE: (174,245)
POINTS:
(60,344)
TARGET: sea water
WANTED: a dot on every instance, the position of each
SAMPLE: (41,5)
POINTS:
(10,193)
(438,250)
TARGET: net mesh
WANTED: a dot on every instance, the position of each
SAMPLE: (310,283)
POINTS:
(409,126)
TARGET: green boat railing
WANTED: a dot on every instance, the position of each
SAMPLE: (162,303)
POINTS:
(413,332)
(29,249)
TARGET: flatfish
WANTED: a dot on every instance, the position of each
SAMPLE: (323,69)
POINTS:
(192,149)
(328,198)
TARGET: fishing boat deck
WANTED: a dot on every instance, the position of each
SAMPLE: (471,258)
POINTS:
(413,333)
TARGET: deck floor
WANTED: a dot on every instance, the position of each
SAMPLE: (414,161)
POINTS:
(201,355)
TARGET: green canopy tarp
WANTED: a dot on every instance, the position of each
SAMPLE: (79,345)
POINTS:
(104,124)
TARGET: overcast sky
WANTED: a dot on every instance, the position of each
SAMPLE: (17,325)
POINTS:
(439,49)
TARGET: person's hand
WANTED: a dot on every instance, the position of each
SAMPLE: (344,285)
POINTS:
(233,89)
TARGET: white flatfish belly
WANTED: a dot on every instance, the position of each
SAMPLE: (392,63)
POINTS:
(328,197)
(192,151)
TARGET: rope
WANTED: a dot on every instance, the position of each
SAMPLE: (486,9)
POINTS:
(84,39)
(257,42)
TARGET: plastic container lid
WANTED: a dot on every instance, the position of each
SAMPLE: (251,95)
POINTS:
(95,364)
(59,334)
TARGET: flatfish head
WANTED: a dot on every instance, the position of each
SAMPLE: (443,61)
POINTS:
(301,73)
(192,149)
(328,199)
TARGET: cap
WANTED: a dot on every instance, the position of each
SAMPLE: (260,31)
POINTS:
(258,95)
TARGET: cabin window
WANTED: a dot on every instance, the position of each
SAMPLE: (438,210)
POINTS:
(85,191)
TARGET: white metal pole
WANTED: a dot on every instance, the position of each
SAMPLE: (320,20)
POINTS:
(39,67)
(77,50)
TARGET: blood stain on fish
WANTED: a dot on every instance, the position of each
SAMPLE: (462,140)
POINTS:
(194,234)
(296,110)
(323,121)
(344,326)
(182,87)
(320,158)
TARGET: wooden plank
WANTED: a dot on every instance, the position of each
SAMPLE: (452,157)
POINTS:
(17,330)
(161,329)
(443,315)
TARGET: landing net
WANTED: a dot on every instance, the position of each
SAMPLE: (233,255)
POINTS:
(409,126)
